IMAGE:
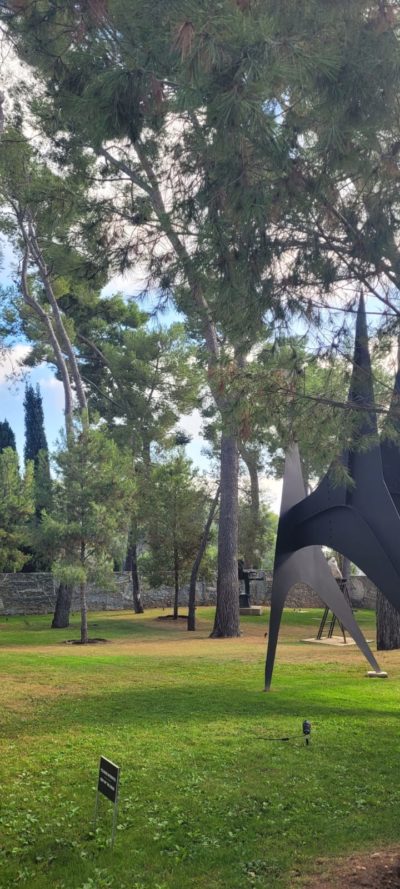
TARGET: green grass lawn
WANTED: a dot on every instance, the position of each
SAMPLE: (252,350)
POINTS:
(206,799)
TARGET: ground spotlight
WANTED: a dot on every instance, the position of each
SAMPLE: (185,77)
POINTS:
(307,731)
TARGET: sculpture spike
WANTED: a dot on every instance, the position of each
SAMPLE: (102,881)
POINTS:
(361,391)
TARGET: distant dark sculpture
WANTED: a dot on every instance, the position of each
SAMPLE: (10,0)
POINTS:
(244,598)
(358,518)
(247,575)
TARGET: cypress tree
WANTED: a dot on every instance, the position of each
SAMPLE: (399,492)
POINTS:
(36,450)
(35,436)
(7,437)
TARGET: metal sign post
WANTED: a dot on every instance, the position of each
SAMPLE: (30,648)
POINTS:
(108,785)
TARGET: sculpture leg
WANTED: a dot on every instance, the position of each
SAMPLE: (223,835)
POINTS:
(308,566)
(278,597)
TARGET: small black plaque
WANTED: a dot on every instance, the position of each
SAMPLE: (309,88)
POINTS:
(108,779)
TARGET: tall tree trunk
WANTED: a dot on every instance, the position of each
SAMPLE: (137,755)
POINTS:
(82,587)
(33,303)
(63,606)
(226,622)
(346,568)
(63,335)
(84,621)
(227,614)
(137,598)
(64,594)
(344,565)
(252,556)
(176,582)
(387,624)
(132,566)
(197,562)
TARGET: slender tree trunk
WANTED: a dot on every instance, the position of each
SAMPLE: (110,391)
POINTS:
(63,607)
(64,594)
(387,624)
(82,588)
(227,616)
(132,566)
(197,562)
(137,598)
(84,614)
(63,335)
(53,341)
(345,566)
(176,582)
(227,613)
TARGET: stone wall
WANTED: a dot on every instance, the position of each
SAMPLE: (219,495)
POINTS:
(363,594)
(27,593)
(36,594)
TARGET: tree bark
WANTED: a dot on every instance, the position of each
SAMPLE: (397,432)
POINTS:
(84,622)
(53,342)
(346,568)
(197,562)
(387,624)
(63,607)
(63,336)
(226,622)
(131,565)
(176,583)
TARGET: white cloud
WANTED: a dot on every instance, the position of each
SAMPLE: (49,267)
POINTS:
(49,383)
(54,390)
(192,424)
(271,490)
(11,361)
(132,283)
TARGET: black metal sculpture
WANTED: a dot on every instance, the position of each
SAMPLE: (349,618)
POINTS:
(357,518)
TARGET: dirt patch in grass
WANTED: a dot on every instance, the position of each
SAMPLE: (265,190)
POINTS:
(376,870)
(16,694)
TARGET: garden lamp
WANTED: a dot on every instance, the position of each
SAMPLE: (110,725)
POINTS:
(307,731)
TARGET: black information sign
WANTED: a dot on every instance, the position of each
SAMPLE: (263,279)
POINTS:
(108,785)
(108,779)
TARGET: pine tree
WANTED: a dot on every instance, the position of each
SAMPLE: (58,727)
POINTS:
(93,503)
(16,510)
(176,512)
(7,437)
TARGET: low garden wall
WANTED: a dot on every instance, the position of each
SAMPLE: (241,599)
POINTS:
(36,594)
